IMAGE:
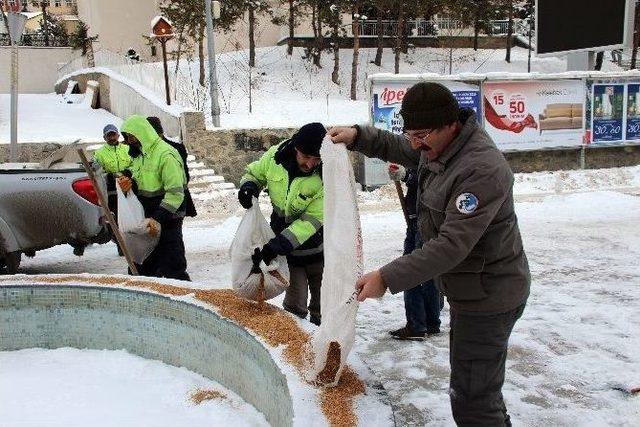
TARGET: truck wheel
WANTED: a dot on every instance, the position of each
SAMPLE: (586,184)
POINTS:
(11,262)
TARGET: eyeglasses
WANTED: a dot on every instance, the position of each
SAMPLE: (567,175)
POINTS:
(420,136)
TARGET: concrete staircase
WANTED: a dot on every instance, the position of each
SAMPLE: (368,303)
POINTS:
(205,184)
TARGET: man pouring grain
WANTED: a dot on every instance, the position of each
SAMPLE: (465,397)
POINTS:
(472,245)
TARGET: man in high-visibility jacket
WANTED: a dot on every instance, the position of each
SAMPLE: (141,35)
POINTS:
(113,157)
(157,177)
(291,173)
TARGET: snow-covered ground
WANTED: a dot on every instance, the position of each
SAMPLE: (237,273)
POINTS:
(68,387)
(578,336)
(48,118)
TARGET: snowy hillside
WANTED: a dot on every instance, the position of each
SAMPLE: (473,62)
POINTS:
(289,91)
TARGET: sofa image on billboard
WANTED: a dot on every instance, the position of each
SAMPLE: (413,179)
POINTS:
(561,116)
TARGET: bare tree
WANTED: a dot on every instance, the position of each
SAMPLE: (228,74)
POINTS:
(355,27)
(336,27)
(636,37)
(294,12)
(509,4)
(381,9)
(402,21)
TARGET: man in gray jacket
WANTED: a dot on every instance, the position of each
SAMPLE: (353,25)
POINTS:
(472,245)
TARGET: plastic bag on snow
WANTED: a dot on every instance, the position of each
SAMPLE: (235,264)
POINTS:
(139,242)
(254,232)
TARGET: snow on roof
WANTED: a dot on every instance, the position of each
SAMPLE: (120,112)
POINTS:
(30,15)
(157,19)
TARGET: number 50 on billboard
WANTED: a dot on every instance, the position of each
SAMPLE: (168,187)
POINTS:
(526,115)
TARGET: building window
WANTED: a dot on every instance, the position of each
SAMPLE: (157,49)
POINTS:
(57,3)
(12,3)
(70,3)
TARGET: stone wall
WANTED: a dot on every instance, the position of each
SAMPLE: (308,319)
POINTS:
(228,151)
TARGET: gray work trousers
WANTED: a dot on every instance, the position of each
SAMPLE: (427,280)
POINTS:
(304,279)
(478,354)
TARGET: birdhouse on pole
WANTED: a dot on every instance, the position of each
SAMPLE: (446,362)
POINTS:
(161,28)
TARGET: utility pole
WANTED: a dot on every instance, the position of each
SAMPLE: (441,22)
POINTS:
(211,50)
(16,23)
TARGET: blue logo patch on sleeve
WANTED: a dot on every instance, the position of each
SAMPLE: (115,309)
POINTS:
(467,203)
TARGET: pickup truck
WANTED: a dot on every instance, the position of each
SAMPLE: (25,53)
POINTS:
(42,208)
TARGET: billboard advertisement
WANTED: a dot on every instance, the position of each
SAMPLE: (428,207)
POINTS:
(387,100)
(633,112)
(607,112)
(533,114)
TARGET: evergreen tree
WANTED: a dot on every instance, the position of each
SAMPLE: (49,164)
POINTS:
(80,40)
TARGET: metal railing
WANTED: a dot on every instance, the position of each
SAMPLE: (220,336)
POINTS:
(417,28)
(37,40)
(422,28)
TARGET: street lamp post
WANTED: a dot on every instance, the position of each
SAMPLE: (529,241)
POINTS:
(211,50)
(16,23)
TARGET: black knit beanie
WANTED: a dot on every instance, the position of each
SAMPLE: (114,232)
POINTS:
(309,138)
(428,105)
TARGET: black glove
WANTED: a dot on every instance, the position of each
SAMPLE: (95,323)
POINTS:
(247,192)
(265,254)
(268,254)
(256,258)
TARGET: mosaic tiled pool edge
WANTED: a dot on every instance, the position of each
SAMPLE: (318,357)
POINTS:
(148,325)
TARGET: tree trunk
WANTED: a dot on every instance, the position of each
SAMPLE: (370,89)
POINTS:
(476,31)
(292,24)
(317,50)
(91,61)
(252,37)
(178,56)
(509,31)
(529,53)
(45,29)
(380,28)
(335,74)
(636,39)
(201,56)
(355,26)
(399,31)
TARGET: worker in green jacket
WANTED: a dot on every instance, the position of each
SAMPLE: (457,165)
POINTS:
(113,157)
(157,177)
(291,174)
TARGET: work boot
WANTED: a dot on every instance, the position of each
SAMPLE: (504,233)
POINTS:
(315,320)
(406,334)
